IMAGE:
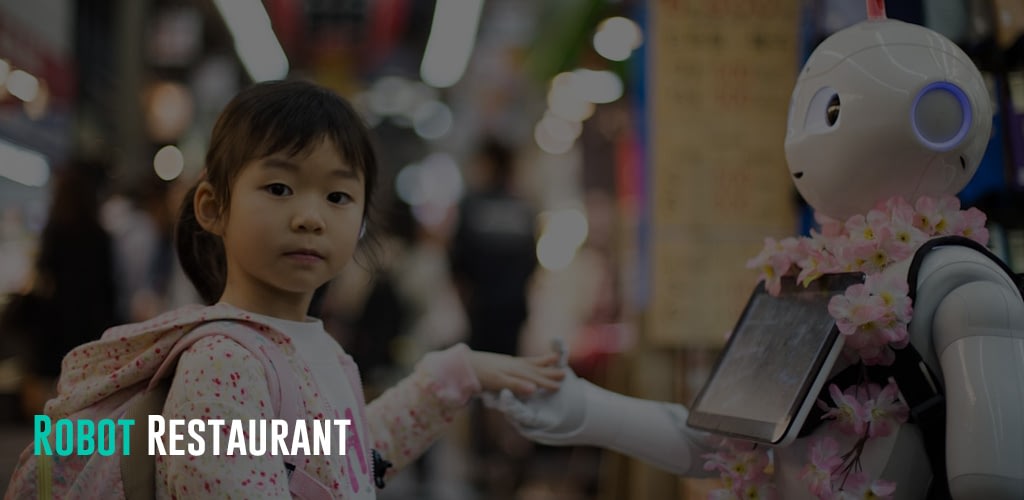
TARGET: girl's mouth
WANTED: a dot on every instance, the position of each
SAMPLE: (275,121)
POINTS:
(305,256)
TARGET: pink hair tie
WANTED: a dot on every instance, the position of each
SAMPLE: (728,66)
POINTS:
(876,9)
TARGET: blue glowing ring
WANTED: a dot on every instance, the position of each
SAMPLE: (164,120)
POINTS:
(965,105)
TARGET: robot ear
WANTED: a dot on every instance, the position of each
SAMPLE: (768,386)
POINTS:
(941,116)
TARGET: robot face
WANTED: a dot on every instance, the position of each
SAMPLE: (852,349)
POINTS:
(884,109)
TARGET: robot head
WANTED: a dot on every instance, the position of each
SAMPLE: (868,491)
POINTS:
(883,109)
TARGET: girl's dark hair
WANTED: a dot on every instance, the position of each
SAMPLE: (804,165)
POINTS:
(262,120)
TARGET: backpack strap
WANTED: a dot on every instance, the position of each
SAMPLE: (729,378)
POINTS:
(138,470)
(44,477)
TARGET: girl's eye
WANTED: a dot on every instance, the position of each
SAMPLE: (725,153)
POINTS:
(338,197)
(278,189)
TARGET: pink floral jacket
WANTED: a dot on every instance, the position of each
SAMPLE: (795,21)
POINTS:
(218,378)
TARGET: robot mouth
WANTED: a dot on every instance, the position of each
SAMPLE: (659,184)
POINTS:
(798,175)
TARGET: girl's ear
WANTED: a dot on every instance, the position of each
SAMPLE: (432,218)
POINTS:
(207,209)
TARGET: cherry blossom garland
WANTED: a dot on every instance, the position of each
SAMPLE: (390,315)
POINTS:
(873,318)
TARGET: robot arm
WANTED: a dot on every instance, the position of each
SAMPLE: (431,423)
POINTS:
(581,413)
(979,335)
(976,318)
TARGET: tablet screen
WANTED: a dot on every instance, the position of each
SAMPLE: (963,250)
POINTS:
(771,361)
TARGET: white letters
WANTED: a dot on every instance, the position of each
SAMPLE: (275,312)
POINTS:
(215,426)
(342,425)
(322,437)
(236,440)
(278,431)
(300,438)
(195,429)
(198,430)
(257,440)
(156,432)
(175,436)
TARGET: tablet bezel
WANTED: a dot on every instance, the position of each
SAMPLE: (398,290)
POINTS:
(782,432)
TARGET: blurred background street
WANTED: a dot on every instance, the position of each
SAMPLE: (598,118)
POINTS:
(631,149)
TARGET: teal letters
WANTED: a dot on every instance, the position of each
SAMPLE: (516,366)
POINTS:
(81,437)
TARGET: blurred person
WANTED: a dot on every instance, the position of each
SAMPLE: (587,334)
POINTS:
(431,317)
(135,237)
(380,311)
(150,279)
(412,294)
(423,280)
(390,319)
(493,251)
(279,212)
(493,256)
(71,296)
(17,246)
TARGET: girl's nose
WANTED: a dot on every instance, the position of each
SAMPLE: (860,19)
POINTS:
(308,220)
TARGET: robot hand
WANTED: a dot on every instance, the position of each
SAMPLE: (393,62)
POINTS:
(546,417)
(581,413)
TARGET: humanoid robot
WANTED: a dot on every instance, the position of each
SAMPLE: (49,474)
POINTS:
(881,110)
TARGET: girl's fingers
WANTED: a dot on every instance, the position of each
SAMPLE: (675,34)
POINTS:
(519,386)
(545,360)
(527,370)
(548,378)
(552,373)
(523,376)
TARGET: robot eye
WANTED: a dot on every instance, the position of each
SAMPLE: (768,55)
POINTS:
(832,110)
(941,116)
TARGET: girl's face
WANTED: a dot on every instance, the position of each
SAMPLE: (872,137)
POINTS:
(292,225)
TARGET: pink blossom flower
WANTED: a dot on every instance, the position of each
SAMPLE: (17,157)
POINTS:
(973,226)
(904,238)
(885,409)
(723,494)
(892,289)
(861,229)
(853,255)
(816,263)
(718,461)
(825,461)
(874,316)
(855,308)
(935,217)
(757,491)
(774,262)
(872,343)
(892,332)
(871,346)
(749,466)
(898,209)
(859,487)
(866,228)
(849,414)
(865,337)
(879,257)
(738,460)
(820,248)
(743,469)
(830,227)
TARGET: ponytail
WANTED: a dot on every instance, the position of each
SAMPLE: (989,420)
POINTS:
(200,252)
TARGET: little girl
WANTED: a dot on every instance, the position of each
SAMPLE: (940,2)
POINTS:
(280,210)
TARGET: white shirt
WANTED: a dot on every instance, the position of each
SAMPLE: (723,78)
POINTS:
(318,350)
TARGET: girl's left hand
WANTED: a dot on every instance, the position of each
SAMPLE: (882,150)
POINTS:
(523,376)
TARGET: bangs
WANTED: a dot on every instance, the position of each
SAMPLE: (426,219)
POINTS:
(300,122)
